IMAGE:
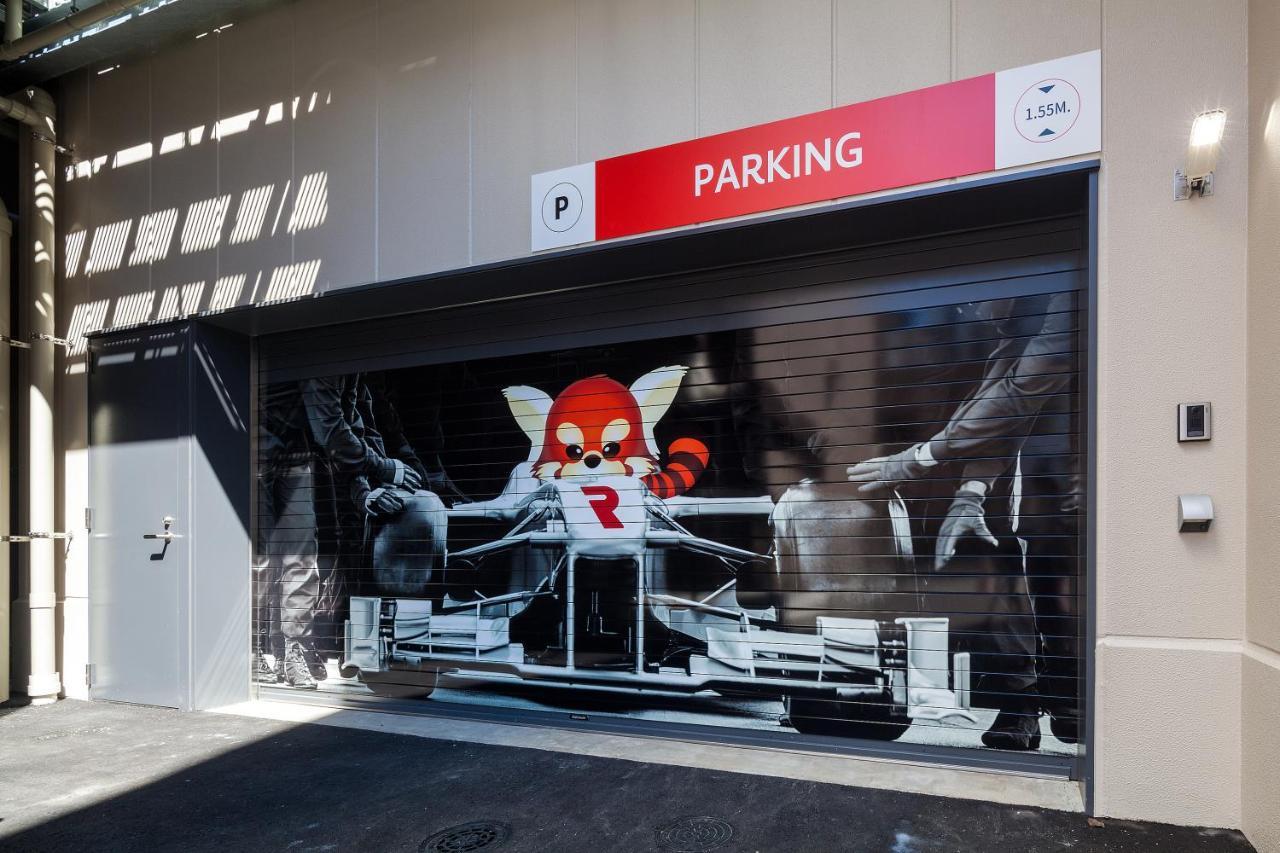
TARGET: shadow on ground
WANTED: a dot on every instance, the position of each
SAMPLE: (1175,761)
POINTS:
(79,776)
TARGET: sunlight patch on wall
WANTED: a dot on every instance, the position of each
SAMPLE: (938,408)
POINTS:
(106,249)
(73,246)
(85,318)
(232,125)
(311,205)
(133,154)
(133,308)
(155,234)
(173,142)
(227,291)
(203,226)
(292,280)
(251,213)
(180,300)
(44,194)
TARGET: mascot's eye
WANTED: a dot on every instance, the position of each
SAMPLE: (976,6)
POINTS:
(574,452)
(611,449)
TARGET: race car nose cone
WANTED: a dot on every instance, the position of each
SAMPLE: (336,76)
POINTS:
(591,460)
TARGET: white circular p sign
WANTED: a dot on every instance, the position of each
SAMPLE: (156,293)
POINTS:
(562,207)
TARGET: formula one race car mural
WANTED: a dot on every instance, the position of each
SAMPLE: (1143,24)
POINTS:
(593,524)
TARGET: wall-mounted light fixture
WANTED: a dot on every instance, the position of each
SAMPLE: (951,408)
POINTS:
(1202,156)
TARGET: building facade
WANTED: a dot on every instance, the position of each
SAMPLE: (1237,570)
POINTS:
(335,346)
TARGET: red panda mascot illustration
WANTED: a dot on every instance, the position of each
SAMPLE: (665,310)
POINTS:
(600,426)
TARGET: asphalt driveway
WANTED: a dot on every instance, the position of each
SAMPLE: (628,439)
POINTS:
(94,776)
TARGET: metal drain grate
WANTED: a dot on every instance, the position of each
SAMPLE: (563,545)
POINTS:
(695,834)
(467,838)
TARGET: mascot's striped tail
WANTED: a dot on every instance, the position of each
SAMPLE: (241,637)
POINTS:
(686,460)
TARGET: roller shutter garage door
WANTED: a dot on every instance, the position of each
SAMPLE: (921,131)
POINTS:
(821,498)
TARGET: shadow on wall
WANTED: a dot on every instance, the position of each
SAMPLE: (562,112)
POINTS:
(267,212)
(185,359)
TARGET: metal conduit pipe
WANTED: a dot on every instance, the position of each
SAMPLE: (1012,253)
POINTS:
(44,683)
(68,26)
(39,310)
(6,413)
(12,20)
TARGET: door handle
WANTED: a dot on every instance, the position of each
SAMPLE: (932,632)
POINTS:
(168,535)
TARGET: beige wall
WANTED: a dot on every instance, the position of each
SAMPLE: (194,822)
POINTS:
(1171,314)
(411,149)
(1260,779)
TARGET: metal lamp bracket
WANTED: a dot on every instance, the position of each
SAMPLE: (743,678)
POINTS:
(1184,187)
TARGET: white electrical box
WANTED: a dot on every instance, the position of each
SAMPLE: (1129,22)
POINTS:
(1195,513)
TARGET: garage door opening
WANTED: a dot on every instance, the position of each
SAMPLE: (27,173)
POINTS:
(836,498)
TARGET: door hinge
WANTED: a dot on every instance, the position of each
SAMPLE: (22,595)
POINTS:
(88,518)
(88,675)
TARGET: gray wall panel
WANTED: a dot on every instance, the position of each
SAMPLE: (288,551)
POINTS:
(184,95)
(120,193)
(872,67)
(424,136)
(255,72)
(525,115)
(759,61)
(1029,31)
(334,152)
(637,78)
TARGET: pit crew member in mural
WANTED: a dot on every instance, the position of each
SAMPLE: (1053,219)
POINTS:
(318,421)
(406,523)
(981,446)
(286,565)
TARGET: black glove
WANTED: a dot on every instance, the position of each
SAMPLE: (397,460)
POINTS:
(383,502)
(965,517)
(887,472)
(393,472)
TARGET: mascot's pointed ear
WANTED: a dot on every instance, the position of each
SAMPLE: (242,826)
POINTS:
(654,393)
(530,407)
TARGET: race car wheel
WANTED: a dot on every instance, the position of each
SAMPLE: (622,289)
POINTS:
(870,720)
(400,684)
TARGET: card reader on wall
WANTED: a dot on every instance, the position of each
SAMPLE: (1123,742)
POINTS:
(1195,513)
(1195,421)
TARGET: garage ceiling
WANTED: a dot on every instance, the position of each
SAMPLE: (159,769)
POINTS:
(137,36)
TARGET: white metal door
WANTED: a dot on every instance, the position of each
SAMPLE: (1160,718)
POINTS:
(138,564)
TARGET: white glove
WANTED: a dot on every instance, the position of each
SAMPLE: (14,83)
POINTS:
(965,517)
(887,472)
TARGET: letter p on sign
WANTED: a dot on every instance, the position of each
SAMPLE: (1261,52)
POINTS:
(564,207)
